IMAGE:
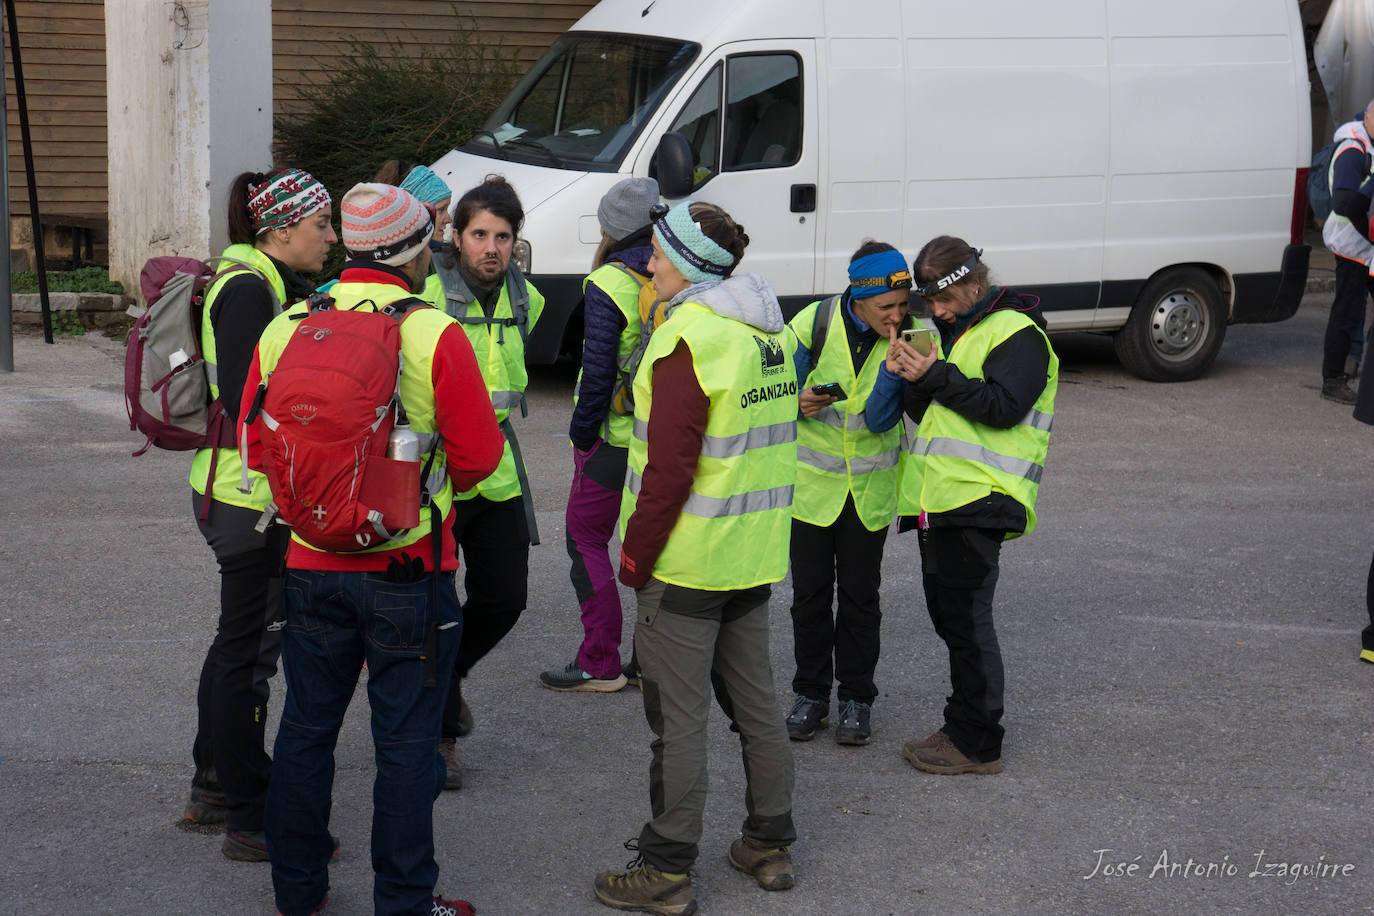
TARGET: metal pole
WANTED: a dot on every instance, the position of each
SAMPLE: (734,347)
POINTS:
(28,170)
(6,296)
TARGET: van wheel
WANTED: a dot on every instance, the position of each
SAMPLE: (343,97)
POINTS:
(1175,328)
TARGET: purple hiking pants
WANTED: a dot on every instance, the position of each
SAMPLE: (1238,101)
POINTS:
(593,511)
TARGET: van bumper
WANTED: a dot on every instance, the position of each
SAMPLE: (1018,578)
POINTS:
(1268,297)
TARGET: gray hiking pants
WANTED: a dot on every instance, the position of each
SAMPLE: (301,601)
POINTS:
(689,642)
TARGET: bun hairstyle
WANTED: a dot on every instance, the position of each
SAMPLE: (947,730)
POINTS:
(945,254)
(241,231)
(495,196)
(393,172)
(719,227)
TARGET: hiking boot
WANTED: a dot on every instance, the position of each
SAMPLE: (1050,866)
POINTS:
(444,907)
(646,889)
(1352,368)
(251,846)
(453,773)
(630,671)
(206,807)
(770,866)
(573,679)
(853,726)
(930,740)
(946,759)
(1338,389)
(806,717)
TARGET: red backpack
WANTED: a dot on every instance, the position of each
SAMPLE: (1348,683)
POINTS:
(326,413)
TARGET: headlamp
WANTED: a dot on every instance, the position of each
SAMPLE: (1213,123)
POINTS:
(936,287)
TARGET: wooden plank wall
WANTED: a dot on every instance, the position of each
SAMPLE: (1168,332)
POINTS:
(62,48)
(307,33)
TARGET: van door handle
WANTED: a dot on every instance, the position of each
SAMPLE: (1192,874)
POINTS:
(803,198)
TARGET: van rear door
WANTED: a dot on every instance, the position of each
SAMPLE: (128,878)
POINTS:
(749,120)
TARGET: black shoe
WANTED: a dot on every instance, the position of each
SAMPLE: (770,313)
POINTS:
(806,717)
(205,808)
(630,671)
(1338,389)
(853,727)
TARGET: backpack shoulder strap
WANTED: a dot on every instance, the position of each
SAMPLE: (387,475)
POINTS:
(519,301)
(820,329)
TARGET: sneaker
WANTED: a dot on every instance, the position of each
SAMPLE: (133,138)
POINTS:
(806,717)
(1338,389)
(770,866)
(205,807)
(453,773)
(444,907)
(630,671)
(251,846)
(853,727)
(944,758)
(643,888)
(573,678)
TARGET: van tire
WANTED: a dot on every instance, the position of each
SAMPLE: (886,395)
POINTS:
(1175,328)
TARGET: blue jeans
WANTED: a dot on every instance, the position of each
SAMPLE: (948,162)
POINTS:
(335,621)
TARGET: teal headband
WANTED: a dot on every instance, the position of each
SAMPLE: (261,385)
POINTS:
(427,187)
(690,250)
(878,273)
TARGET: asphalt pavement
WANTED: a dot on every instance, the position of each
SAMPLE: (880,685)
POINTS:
(1188,725)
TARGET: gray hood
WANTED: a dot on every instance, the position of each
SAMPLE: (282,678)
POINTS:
(746,297)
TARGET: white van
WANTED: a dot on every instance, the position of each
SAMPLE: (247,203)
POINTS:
(1139,166)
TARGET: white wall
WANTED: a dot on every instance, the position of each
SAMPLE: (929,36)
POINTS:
(189,85)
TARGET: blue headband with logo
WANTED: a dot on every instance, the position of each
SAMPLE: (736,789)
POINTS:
(696,256)
(427,187)
(878,273)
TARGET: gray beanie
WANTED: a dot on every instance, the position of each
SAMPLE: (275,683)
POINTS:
(625,207)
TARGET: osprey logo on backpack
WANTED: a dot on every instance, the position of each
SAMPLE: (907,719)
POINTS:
(327,409)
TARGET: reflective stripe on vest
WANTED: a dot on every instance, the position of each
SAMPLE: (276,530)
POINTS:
(734,446)
(739,504)
(855,466)
(955,448)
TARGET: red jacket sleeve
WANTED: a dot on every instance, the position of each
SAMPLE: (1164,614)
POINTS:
(463,411)
(677,423)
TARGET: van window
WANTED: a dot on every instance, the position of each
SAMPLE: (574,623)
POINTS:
(763,116)
(584,101)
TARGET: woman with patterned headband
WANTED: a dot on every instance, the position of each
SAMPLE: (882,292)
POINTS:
(846,494)
(280,227)
(428,188)
(984,402)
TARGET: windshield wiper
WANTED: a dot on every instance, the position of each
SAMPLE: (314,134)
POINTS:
(495,141)
(525,143)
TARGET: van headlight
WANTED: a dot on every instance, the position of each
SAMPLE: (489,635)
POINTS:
(520,254)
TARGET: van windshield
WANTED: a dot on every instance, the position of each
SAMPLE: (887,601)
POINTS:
(585,101)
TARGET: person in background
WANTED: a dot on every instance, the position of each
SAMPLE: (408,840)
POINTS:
(428,188)
(704,528)
(279,229)
(601,429)
(378,605)
(493,522)
(846,494)
(1345,234)
(984,403)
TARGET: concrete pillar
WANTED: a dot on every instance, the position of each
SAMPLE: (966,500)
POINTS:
(189,85)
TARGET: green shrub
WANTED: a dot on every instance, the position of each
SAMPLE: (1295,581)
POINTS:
(84,280)
(379,104)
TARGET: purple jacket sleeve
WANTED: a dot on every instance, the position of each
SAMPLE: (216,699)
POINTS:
(604,323)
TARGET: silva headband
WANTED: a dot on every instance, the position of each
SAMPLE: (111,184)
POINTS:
(878,273)
(285,199)
(690,250)
(935,287)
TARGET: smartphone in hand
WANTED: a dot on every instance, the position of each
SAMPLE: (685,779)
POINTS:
(829,390)
(922,340)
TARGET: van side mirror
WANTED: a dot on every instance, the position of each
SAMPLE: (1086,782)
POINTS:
(672,166)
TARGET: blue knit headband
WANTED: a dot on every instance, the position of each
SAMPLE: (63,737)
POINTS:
(877,273)
(690,250)
(427,187)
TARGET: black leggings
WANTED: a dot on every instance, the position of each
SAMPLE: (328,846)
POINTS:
(233,694)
